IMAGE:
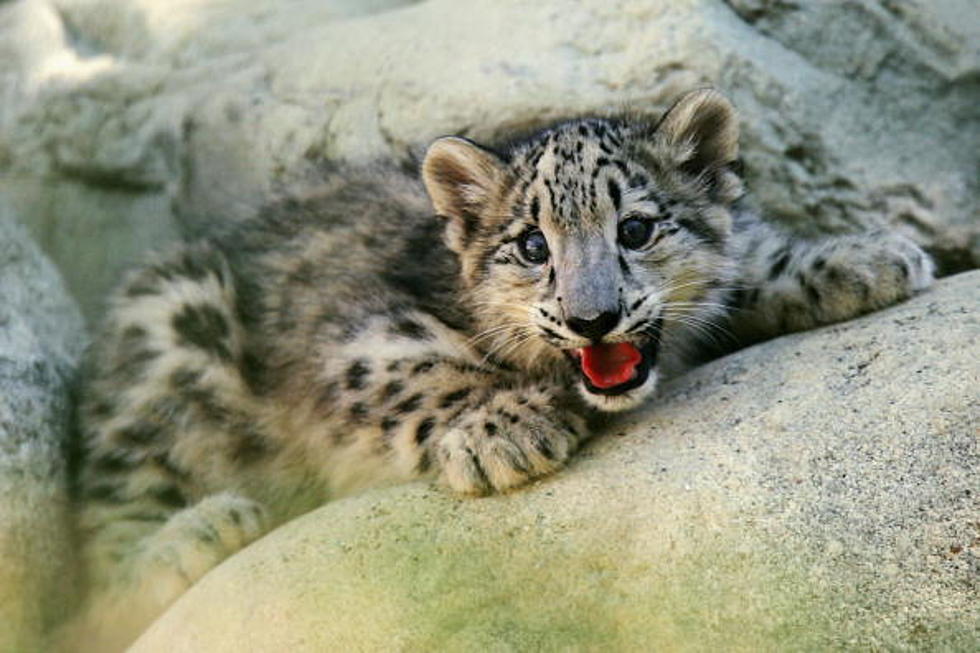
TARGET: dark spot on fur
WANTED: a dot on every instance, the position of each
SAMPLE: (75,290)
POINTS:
(701,230)
(138,434)
(424,429)
(779,265)
(808,288)
(410,404)
(903,269)
(207,534)
(479,472)
(182,377)
(551,334)
(742,297)
(426,271)
(388,424)
(624,267)
(142,288)
(249,446)
(327,396)
(255,372)
(819,263)
(543,447)
(104,493)
(203,326)
(391,389)
(160,516)
(358,411)
(455,396)
(101,409)
(169,496)
(357,374)
(864,289)
(303,275)
(236,517)
(195,264)
(424,463)
(134,363)
(490,428)
(424,366)
(133,354)
(614,193)
(568,426)
(409,329)
(169,466)
(535,208)
(114,462)
(204,401)
(133,333)
(350,331)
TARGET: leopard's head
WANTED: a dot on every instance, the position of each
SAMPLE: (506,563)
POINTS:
(590,244)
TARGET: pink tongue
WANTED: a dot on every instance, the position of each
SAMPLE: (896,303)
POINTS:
(609,365)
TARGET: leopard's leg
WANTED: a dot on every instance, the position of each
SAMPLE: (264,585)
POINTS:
(788,284)
(158,566)
(427,406)
(165,420)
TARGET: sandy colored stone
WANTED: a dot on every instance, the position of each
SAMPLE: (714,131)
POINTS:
(124,123)
(817,492)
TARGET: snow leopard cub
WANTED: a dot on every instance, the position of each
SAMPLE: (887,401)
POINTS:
(374,332)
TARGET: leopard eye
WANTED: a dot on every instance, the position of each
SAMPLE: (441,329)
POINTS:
(533,246)
(635,232)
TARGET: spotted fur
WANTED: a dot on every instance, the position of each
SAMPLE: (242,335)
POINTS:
(352,337)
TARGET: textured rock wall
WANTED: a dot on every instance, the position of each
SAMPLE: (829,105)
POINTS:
(127,122)
(41,336)
(817,492)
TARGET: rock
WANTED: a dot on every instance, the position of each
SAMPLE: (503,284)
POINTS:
(817,492)
(117,111)
(41,336)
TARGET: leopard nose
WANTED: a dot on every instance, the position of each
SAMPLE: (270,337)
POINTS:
(596,327)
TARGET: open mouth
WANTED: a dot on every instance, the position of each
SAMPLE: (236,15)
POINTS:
(617,367)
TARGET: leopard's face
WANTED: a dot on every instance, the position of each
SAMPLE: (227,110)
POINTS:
(586,246)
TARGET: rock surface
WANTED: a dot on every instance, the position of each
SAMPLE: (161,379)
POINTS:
(41,335)
(817,492)
(113,112)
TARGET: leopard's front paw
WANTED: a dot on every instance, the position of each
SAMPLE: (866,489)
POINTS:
(866,275)
(516,437)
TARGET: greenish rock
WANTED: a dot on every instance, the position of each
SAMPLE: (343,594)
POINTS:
(816,492)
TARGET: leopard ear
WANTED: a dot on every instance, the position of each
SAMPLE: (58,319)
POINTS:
(461,178)
(701,130)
